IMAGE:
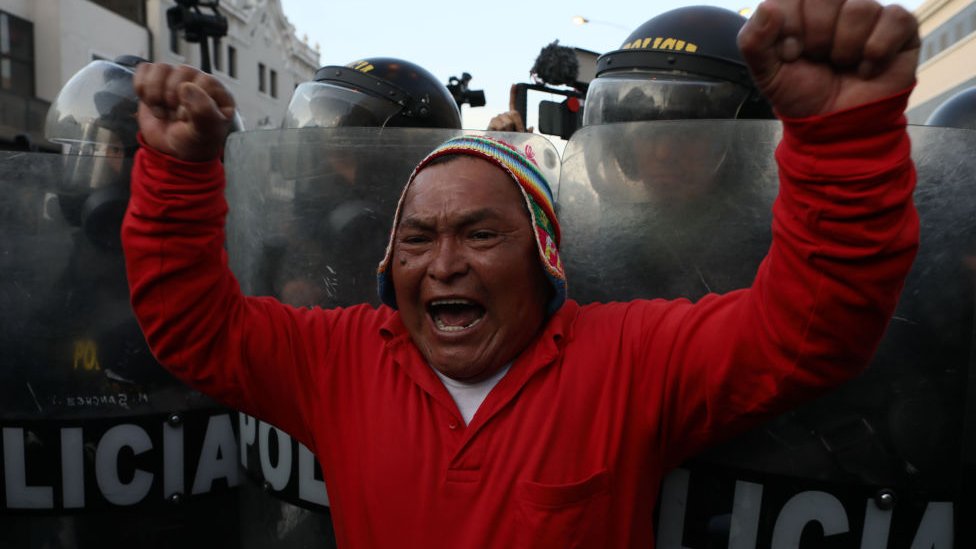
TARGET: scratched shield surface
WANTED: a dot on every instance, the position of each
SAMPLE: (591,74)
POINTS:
(93,429)
(679,209)
(310,215)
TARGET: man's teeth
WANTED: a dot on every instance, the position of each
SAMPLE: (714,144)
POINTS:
(439,322)
(450,302)
(445,328)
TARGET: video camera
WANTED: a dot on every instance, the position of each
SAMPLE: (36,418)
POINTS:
(196,25)
(571,68)
(459,89)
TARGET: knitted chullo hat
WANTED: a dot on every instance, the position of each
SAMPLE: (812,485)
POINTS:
(538,201)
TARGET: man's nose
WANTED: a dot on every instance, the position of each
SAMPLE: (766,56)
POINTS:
(450,259)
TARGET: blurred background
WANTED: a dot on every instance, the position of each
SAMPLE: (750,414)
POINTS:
(262,49)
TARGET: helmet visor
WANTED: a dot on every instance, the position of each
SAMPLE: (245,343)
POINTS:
(326,105)
(655,95)
(95,112)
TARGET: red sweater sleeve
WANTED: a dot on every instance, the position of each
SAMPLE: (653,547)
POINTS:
(845,233)
(248,353)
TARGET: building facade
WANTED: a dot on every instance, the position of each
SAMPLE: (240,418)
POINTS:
(948,58)
(45,42)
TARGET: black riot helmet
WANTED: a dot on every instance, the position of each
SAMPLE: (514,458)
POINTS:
(94,114)
(94,119)
(959,111)
(381,91)
(684,63)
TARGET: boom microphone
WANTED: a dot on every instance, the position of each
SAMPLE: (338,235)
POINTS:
(556,65)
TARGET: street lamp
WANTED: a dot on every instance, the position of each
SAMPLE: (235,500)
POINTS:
(579,20)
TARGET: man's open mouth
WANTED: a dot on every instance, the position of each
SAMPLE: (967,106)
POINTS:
(454,315)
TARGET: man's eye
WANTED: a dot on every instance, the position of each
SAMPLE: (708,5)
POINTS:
(482,235)
(414,239)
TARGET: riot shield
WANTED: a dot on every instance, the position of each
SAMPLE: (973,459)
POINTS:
(310,215)
(101,446)
(682,208)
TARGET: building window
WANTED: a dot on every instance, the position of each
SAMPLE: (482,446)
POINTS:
(274,84)
(232,61)
(16,55)
(261,83)
(218,59)
(133,11)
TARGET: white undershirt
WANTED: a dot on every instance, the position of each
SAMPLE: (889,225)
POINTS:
(469,396)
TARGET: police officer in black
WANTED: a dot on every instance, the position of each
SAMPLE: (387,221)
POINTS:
(335,179)
(680,178)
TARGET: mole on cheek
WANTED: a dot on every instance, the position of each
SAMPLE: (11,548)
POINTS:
(403,261)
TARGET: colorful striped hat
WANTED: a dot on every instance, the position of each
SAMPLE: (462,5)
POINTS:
(538,200)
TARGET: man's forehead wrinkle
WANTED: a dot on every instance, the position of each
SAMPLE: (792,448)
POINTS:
(416,222)
(458,219)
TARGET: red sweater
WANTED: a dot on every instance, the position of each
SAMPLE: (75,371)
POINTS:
(569,449)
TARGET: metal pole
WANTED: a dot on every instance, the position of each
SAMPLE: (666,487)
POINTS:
(204,56)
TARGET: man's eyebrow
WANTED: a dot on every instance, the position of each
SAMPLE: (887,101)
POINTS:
(417,223)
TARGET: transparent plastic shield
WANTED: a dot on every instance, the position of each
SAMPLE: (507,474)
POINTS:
(902,432)
(91,424)
(70,345)
(666,209)
(311,209)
